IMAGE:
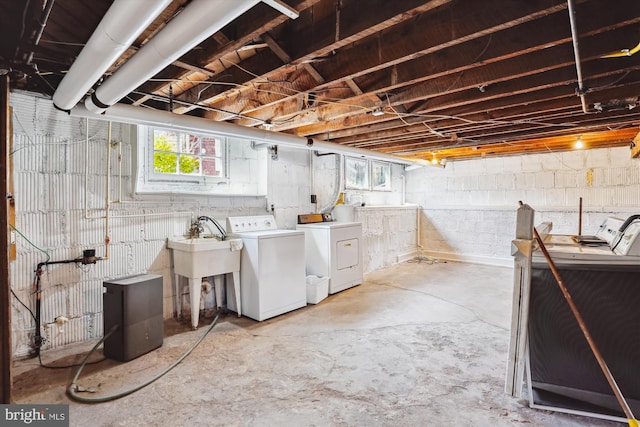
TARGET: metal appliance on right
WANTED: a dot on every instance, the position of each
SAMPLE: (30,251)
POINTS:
(334,250)
(603,279)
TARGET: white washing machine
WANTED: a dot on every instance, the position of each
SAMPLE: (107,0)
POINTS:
(334,250)
(272,268)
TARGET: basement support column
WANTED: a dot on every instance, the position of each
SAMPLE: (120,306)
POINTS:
(5,285)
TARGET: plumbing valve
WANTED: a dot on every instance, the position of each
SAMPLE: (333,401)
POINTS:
(195,229)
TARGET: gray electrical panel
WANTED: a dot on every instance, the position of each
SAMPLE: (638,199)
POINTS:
(134,304)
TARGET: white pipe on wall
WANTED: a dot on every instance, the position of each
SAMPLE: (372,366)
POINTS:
(137,115)
(122,23)
(107,198)
(199,20)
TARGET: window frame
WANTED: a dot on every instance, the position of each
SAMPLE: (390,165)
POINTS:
(159,177)
(386,168)
(368,166)
(351,163)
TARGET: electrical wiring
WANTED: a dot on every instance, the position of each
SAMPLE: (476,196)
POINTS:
(33,316)
(61,43)
(162,98)
(35,144)
(328,101)
(30,242)
(613,83)
(288,91)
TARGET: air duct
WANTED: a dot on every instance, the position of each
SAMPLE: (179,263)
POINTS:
(124,113)
(199,20)
(122,23)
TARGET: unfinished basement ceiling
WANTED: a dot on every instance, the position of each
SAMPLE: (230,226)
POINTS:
(422,79)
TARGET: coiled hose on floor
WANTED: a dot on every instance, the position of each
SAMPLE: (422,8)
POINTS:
(73,389)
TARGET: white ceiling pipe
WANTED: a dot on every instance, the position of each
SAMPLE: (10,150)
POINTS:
(199,20)
(124,113)
(120,26)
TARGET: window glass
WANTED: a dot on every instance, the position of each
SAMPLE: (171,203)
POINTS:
(191,162)
(362,174)
(380,176)
(356,173)
(181,153)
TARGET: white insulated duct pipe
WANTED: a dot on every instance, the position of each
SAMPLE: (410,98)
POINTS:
(124,113)
(199,20)
(122,23)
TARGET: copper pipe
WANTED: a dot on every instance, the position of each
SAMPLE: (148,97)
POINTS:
(594,349)
(580,219)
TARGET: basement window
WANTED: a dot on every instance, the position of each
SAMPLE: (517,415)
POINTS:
(356,172)
(191,162)
(187,155)
(380,176)
(363,174)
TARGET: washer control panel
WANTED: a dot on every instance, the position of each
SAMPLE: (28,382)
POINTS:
(242,224)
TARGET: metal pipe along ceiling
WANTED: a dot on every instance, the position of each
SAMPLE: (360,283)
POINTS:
(124,113)
(582,91)
(122,23)
(199,20)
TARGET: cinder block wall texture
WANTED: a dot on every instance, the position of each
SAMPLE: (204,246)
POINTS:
(60,173)
(468,208)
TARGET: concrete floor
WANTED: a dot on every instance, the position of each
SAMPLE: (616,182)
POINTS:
(417,344)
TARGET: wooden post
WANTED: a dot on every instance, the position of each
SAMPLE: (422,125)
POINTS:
(5,284)
(521,249)
(580,218)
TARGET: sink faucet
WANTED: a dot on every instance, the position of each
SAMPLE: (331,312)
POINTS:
(195,229)
(223,234)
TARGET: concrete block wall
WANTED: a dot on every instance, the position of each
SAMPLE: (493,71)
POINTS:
(290,188)
(389,227)
(324,178)
(389,235)
(468,208)
(51,191)
(60,211)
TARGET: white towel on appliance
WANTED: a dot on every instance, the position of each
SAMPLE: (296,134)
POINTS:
(235,244)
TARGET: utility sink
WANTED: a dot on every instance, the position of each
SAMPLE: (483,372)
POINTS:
(204,257)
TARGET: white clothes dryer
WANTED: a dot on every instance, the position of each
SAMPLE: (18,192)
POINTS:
(334,250)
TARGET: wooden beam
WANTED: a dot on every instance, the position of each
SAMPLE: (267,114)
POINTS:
(615,138)
(503,58)
(383,15)
(252,25)
(5,279)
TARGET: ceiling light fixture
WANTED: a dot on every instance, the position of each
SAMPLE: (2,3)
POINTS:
(579,144)
(377,112)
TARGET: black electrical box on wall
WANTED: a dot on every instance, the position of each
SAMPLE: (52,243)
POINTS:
(134,304)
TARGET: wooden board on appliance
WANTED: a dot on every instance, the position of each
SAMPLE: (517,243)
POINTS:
(309,218)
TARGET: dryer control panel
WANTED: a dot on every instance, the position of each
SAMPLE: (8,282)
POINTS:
(243,224)
(629,242)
